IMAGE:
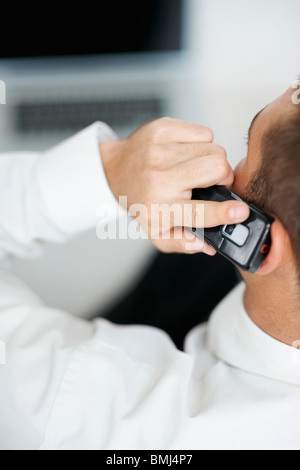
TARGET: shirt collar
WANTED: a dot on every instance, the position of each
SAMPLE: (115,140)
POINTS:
(235,339)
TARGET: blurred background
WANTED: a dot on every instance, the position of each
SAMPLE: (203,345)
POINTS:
(210,61)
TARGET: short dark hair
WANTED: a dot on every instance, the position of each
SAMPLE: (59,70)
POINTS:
(276,186)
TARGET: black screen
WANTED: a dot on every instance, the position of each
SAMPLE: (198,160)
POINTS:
(103,27)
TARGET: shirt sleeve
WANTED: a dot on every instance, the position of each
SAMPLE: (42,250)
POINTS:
(67,382)
(54,195)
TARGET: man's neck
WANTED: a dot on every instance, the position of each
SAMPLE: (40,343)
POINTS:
(271,306)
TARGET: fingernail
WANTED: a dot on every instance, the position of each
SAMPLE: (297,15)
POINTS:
(239,213)
(199,245)
(208,250)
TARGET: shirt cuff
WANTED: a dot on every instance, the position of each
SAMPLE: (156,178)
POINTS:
(72,180)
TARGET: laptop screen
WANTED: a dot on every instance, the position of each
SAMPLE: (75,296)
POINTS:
(103,27)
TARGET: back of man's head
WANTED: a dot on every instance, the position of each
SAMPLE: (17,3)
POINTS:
(276,186)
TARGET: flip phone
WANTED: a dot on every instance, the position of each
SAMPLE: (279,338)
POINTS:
(246,245)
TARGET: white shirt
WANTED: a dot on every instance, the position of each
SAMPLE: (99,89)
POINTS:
(71,384)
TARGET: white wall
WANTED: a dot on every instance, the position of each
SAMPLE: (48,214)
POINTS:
(247,53)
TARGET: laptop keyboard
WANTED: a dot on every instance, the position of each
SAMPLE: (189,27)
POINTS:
(73,116)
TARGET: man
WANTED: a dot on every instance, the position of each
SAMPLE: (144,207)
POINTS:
(69,384)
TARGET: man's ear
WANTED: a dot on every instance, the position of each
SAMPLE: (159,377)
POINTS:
(279,238)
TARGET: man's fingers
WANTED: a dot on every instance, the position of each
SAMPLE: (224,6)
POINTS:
(196,214)
(172,154)
(179,240)
(174,130)
(206,214)
(203,172)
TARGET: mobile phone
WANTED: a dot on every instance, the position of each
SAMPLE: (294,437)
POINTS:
(247,244)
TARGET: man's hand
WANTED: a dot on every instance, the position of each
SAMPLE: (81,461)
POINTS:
(161,163)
